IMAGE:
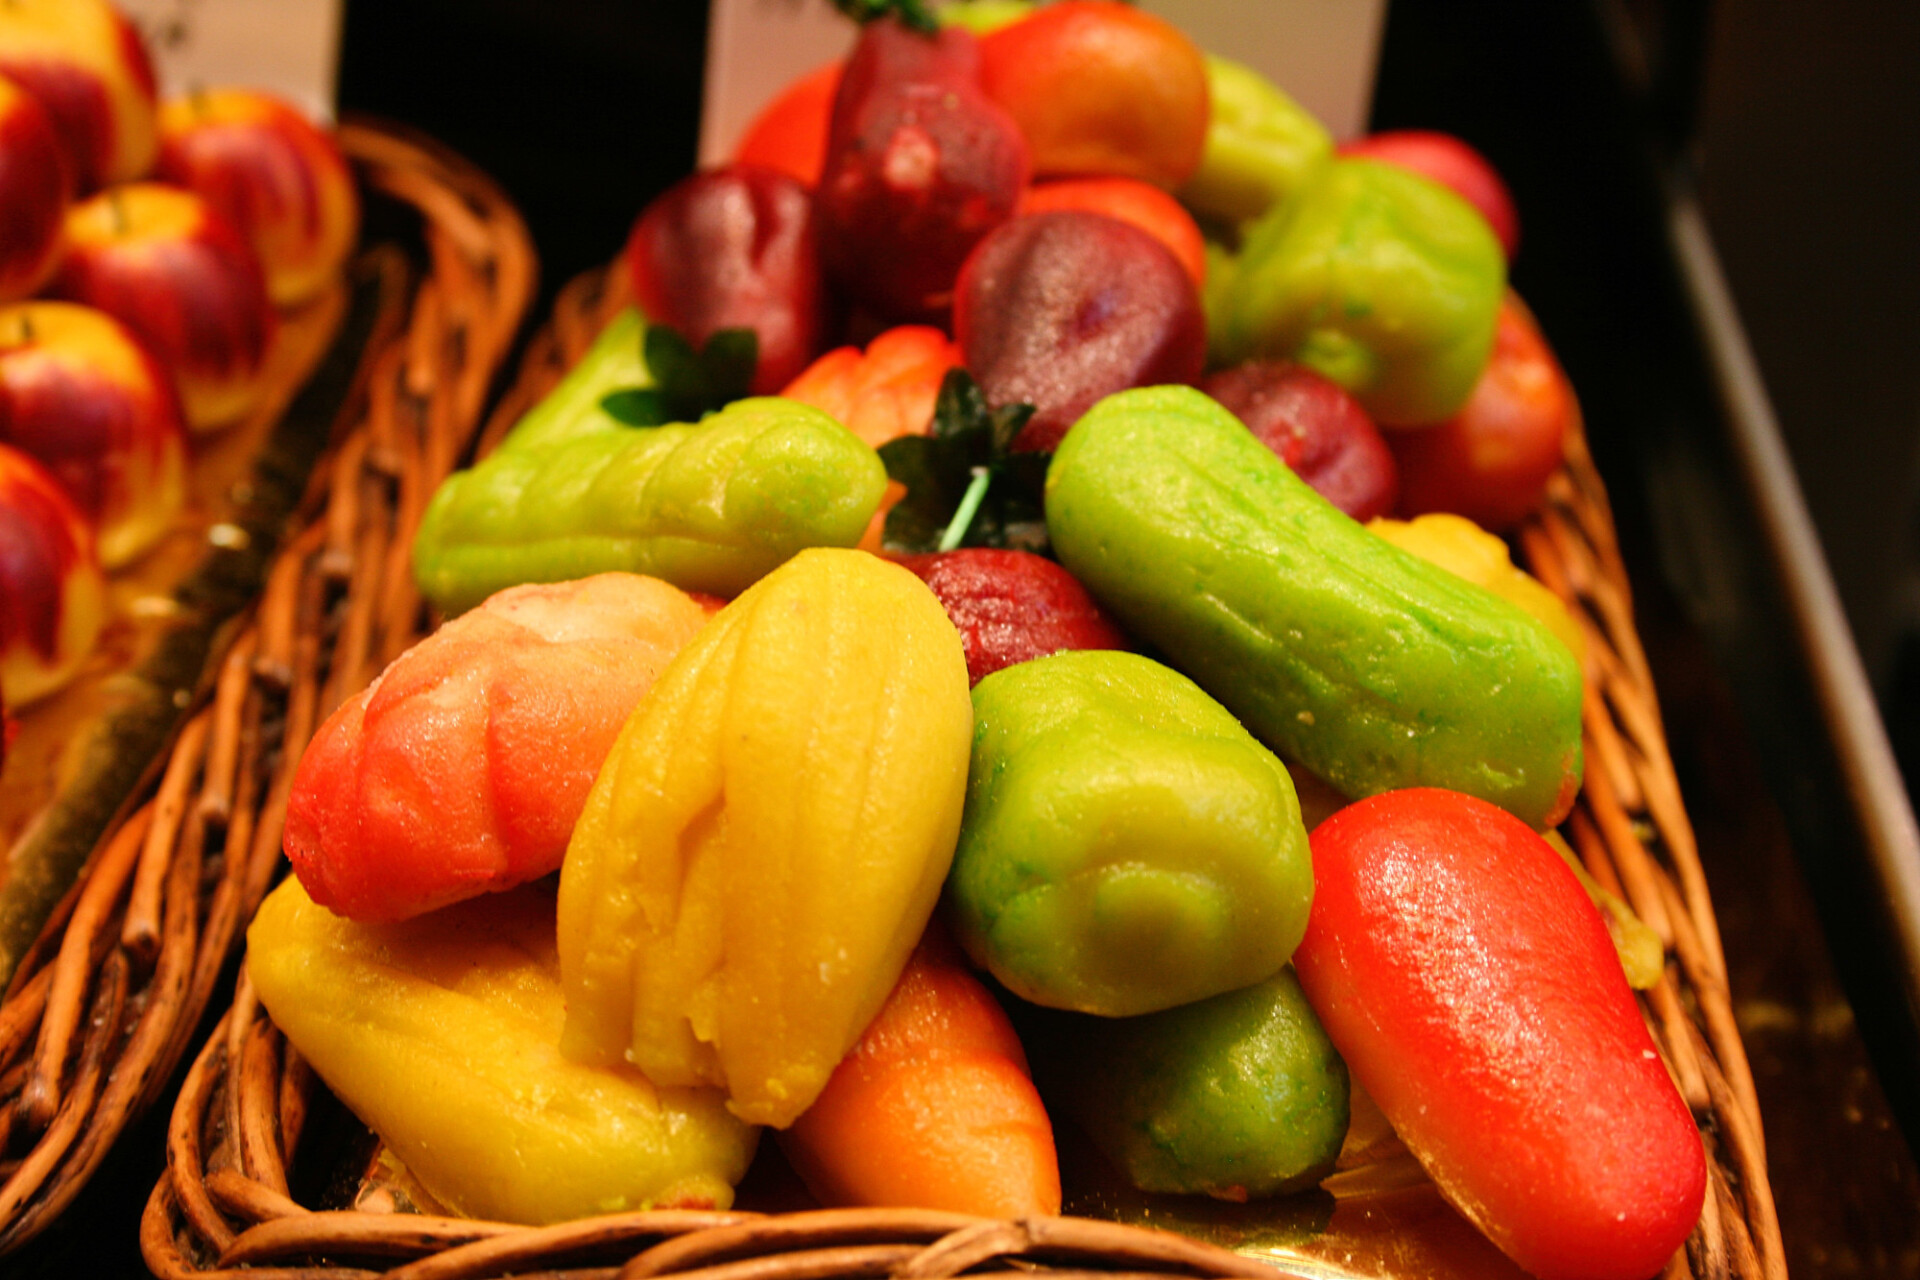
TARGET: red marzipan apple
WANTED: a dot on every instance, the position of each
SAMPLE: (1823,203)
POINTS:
(161,261)
(35,190)
(88,68)
(1491,461)
(273,174)
(81,395)
(50,582)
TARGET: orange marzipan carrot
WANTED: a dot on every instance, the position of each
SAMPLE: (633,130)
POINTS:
(933,1108)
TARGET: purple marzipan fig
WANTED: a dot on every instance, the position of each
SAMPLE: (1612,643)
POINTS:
(1316,428)
(1058,310)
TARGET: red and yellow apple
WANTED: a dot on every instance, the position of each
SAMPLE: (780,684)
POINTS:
(35,190)
(87,66)
(271,172)
(50,579)
(81,395)
(161,261)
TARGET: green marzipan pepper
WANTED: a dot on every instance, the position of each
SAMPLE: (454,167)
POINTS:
(1241,1096)
(1126,845)
(1382,280)
(1369,666)
(573,408)
(1261,147)
(710,507)
(1216,295)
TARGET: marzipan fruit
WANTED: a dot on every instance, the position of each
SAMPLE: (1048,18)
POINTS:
(442,1033)
(1369,666)
(768,837)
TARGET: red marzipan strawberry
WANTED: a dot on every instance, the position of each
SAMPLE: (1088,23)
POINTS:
(1013,605)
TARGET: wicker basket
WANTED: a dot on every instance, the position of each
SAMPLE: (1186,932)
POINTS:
(103,1006)
(234,1147)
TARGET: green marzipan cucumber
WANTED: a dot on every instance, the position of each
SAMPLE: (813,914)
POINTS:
(1367,665)
(1241,1096)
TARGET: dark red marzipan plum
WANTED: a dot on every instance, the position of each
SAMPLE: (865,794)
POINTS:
(735,248)
(1316,428)
(1012,606)
(1058,310)
(920,164)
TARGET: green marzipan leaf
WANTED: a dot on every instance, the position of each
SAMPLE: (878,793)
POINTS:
(635,407)
(926,465)
(937,469)
(687,384)
(912,13)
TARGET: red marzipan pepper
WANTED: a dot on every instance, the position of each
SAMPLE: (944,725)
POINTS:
(887,391)
(1470,985)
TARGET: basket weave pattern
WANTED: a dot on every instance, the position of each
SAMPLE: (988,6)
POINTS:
(225,1209)
(103,1006)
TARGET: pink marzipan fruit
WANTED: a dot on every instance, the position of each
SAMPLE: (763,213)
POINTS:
(461,769)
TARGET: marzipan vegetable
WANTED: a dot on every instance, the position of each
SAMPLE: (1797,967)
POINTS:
(442,1034)
(615,362)
(708,507)
(1474,992)
(461,769)
(1262,146)
(1240,1097)
(1384,281)
(1369,666)
(1643,958)
(1127,846)
(767,839)
(934,1108)
(884,392)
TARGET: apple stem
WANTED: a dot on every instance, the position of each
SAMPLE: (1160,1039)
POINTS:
(119,212)
(26,317)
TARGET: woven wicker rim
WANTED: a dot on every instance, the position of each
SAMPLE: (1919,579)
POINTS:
(340,604)
(103,1005)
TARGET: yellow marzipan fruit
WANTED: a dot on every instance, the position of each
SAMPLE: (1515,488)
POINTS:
(442,1033)
(769,835)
